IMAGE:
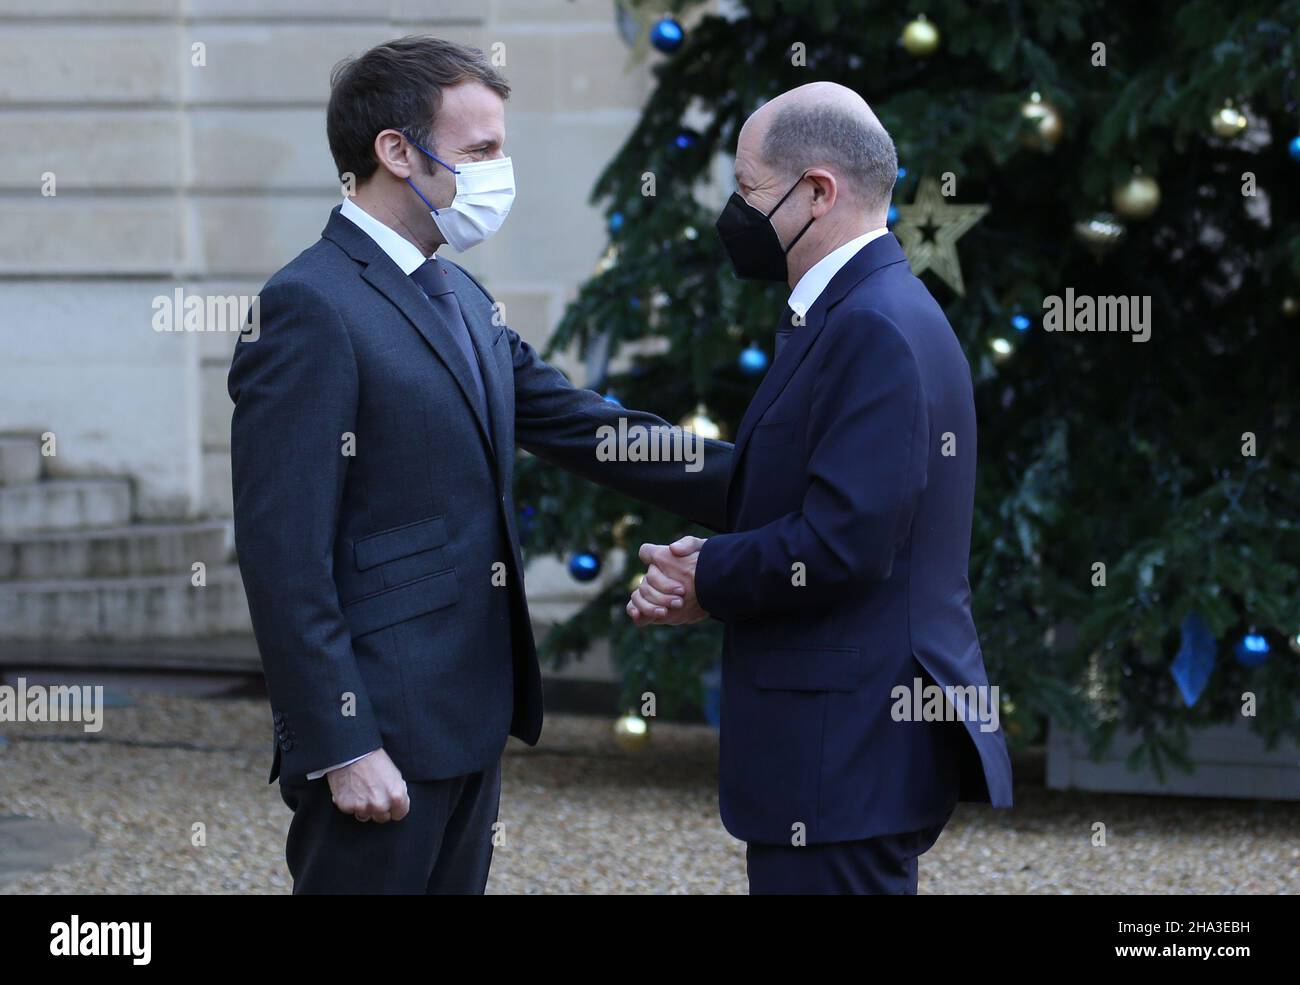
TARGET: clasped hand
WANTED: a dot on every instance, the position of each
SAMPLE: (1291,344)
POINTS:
(666,595)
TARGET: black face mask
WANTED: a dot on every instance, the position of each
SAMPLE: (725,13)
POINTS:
(751,240)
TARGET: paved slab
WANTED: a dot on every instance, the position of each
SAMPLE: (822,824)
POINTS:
(28,844)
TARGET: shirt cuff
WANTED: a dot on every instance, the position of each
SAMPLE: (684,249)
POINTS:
(330,769)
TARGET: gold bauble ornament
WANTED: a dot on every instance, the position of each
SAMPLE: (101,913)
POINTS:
(702,423)
(1290,307)
(1100,233)
(621,526)
(1228,121)
(1048,125)
(1001,350)
(1136,198)
(608,260)
(920,37)
(631,732)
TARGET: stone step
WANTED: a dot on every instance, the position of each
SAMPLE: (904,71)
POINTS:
(20,459)
(117,609)
(113,552)
(203,655)
(64,504)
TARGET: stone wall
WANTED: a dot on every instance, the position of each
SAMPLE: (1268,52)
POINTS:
(208,177)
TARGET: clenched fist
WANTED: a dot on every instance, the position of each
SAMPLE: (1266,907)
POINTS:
(371,789)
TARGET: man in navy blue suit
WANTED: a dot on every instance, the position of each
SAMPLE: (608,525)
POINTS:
(842,581)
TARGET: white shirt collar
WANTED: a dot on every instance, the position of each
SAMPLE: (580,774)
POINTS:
(400,250)
(815,279)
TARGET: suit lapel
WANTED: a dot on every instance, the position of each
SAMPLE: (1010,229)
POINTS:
(483,333)
(778,375)
(880,252)
(413,302)
(381,272)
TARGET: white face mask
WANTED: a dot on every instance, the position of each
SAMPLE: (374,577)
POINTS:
(485,190)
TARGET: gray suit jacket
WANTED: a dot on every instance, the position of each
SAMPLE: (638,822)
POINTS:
(370,575)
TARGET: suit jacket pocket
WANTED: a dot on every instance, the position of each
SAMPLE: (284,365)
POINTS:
(399,542)
(773,433)
(810,669)
(382,609)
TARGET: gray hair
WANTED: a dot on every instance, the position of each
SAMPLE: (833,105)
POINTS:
(858,150)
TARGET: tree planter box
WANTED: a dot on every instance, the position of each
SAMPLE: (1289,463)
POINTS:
(1229,761)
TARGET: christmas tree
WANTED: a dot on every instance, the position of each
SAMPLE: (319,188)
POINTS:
(1135,547)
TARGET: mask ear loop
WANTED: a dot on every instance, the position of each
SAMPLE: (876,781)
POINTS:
(810,221)
(436,158)
(774,207)
(422,198)
(800,236)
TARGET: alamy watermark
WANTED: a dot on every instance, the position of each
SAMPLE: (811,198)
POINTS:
(53,703)
(181,312)
(649,443)
(102,939)
(1104,313)
(931,703)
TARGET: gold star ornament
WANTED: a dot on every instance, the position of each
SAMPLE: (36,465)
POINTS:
(929,229)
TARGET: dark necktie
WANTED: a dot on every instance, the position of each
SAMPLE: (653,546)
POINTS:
(433,282)
(784,329)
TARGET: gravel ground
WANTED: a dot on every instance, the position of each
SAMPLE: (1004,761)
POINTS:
(581,816)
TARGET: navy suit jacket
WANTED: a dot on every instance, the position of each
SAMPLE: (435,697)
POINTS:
(374,520)
(845,572)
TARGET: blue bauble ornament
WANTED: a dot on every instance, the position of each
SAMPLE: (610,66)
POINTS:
(616,222)
(1293,148)
(1251,649)
(524,521)
(667,35)
(584,566)
(712,681)
(902,173)
(1194,661)
(685,139)
(753,361)
(1020,322)
(892,216)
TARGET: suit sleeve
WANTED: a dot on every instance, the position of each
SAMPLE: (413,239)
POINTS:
(295,387)
(868,440)
(562,424)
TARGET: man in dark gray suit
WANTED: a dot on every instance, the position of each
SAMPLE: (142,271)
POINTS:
(377,409)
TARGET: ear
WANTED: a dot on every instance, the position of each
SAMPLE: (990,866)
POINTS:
(394,153)
(825,191)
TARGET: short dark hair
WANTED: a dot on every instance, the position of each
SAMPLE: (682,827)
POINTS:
(397,85)
(803,137)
